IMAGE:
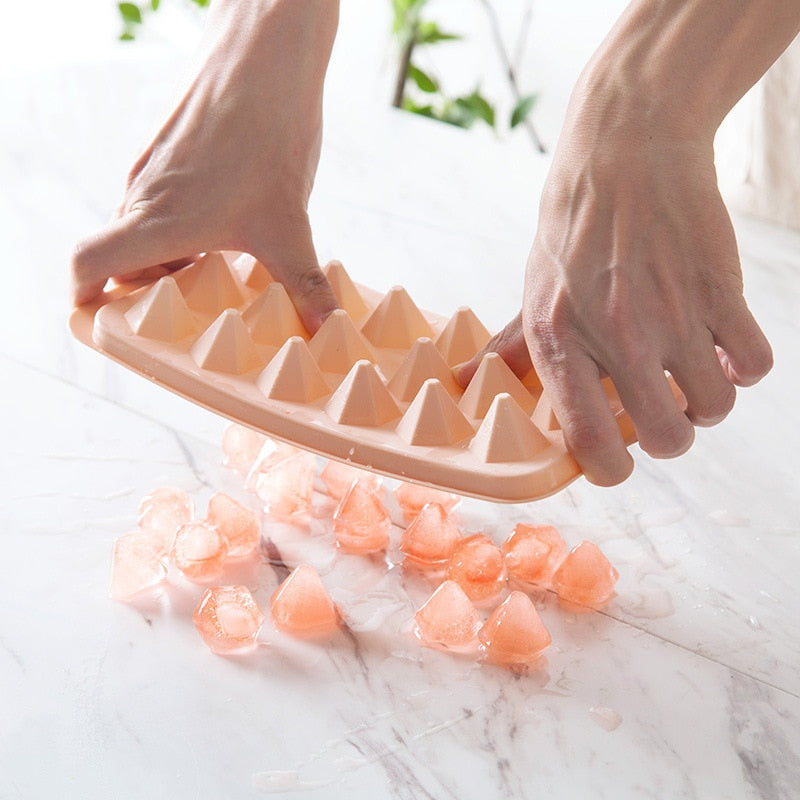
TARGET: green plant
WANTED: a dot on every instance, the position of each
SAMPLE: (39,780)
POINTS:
(427,97)
(416,90)
(133,15)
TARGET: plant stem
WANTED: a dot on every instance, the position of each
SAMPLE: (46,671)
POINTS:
(402,70)
(510,71)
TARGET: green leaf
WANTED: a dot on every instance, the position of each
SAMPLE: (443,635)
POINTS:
(522,109)
(131,13)
(201,3)
(424,81)
(127,36)
(475,105)
(429,33)
(423,111)
(154,4)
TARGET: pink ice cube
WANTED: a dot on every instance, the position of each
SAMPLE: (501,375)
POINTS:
(302,606)
(476,565)
(514,635)
(240,526)
(136,565)
(431,537)
(586,576)
(162,512)
(241,446)
(228,619)
(533,552)
(361,523)
(271,453)
(448,620)
(339,477)
(199,552)
(287,486)
(412,497)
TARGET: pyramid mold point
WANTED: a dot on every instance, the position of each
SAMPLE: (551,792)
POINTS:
(396,322)
(252,273)
(338,344)
(462,337)
(492,377)
(424,361)
(209,285)
(293,375)
(507,434)
(162,313)
(433,418)
(226,346)
(272,317)
(345,290)
(362,399)
(544,417)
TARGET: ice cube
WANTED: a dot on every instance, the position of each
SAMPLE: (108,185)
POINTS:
(586,576)
(302,606)
(533,552)
(514,634)
(361,523)
(199,552)
(476,565)
(228,619)
(162,512)
(240,526)
(448,620)
(431,537)
(137,564)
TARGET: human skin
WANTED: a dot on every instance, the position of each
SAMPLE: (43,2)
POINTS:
(634,268)
(233,166)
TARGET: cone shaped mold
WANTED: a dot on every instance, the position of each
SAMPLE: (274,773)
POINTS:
(462,337)
(507,433)
(226,345)
(272,317)
(544,417)
(252,273)
(492,377)
(293,375)
(337,345)
(362,398)
(209,286)
(396,322)
(424,361)
(162,313)
(433,418)
(345,290)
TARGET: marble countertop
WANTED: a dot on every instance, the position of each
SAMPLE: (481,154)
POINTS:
(686,686)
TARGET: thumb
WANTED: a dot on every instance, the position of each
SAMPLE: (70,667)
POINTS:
(509,344)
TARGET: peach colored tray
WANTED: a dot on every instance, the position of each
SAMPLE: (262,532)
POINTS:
(373,387)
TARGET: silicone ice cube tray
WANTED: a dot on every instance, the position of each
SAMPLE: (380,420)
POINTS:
(373,387)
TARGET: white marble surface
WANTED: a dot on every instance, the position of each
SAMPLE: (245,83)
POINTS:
(687,686)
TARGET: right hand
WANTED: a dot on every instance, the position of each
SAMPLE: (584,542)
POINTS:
(233,166)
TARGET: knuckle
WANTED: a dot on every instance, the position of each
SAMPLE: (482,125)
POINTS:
(672,438)
(587,436)
(713,408)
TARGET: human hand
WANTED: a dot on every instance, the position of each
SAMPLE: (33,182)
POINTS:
(233,166)
(634,270)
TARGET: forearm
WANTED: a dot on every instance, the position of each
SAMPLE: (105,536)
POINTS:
(304,28)
(685,63)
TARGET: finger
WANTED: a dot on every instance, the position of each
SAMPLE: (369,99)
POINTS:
(663,430)
(127,245)
(151,273)
(509,344)
(590,430)
(708,392)
(295,265)
(746,355)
